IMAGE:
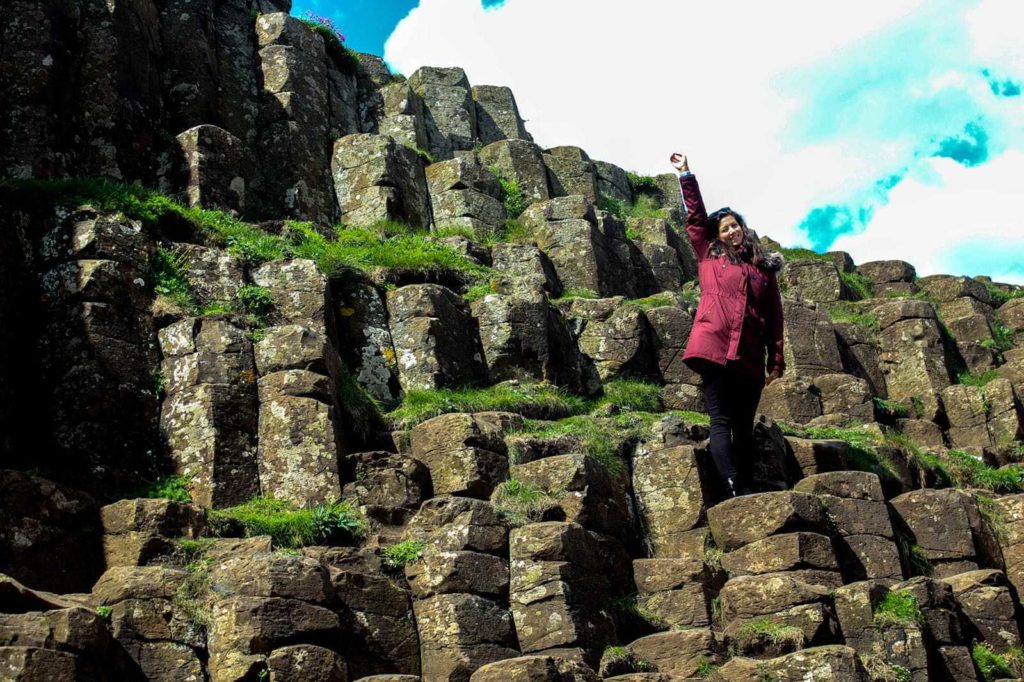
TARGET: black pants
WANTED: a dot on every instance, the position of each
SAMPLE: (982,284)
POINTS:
(731,399)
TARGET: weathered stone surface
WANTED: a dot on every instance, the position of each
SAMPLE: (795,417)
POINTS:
(556,571)
(519,161)
(306,662)
(938,607)
(912,353)
(786,552)
(670,496)
(377,623)
(297,453)
(857,485)
(33,664)
(402,115)
(583,490)
(810,340)
(296,290)
(859,351)
(219,169)
(272,574)
(790,399)
(862,557)
(617,339)
(136,531)
(526,260)
(290,346)
(535,669)
(464,194)
(987,604)
(388,487)
(497,116)
(677,653)
(466,456)
(925,433)
(570,171)
(50,539)
(1011,541)
(1005,413)
(359,314)
(812,280)
(966,411)
(842,394)
(460,633)
(670,327)
(742,520)
(376,178)
(818,664)
(944,523)
(817,456)
(613,182)
(436,340)
(459,523)
(884,271)
(441,572)
(137,582)
(751,596)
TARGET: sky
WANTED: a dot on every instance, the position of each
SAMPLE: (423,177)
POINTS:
(887,129)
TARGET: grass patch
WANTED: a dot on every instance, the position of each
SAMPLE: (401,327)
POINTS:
(642,184)
(538,400)
(191,599)
(999,296)
(896,609)
(288,526)
(967,471)
(844,312)
(628,394)
(345,59)
(643,206)
(656,301)
(520,503)
(512,196)
(991,665)
(803,254)
(891,408)
(760,632)
(979,380)
(104,612)
(618,660)
(576,293)
(168,269)
(426,157)
(403,554)
(255,303)
(169,488)
(705,668)
(859,284)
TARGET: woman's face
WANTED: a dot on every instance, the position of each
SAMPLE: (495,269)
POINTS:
(730,231)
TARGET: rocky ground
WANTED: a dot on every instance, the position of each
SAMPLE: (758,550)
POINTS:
(367,385)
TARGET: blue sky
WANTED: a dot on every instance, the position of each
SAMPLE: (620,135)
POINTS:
(888,129)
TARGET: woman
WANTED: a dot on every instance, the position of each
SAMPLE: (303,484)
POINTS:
(739,318)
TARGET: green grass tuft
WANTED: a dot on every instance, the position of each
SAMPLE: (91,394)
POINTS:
(629,394)
(289,526)
(844,312)
(577,293)
(999,297)
(896,609)
(979,380)
(803,254)
(520,503)
(761,631)
(859,284)
(170,488)
(255,302)
(403,554)
(104,612)
(655,301)
(512,196)
(168,269)
(642,184)
(345,59)
(991,665)
(538,400)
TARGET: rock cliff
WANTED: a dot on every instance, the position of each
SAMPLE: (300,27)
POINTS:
(309,371)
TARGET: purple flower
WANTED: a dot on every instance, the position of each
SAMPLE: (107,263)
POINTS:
(326,23)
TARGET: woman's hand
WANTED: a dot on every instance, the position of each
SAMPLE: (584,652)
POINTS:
(775,374)
(679,162)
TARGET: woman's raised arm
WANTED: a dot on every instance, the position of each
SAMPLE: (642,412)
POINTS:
(697,226)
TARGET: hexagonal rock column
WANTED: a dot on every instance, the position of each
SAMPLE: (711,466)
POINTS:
(562,581)
(570,171)
(460,633)
(293,142)
(615,337)
(297,292)
(859,517)
(378,629)
(676,592)
(677,654)
(948,527)
(742,520)
(810,340)
(497,116)
(436,339)
(536,669)
(967,414)
(583,490)
(137,531)
(298,453)
(209,416)
(58,645)
(454,524)
(913,356)
(1005,413)
(466,455)
(817,456)
(450,111)
(1011,541)
(464,194)
(859,351)
(376,178)
(988,606)
(812,280)
(613,182)
(520,161)
(96,348)
(402,116)
(670,499)
(833,662)
(790,399)
(527,261)
(219,170)
(566,230)
(890,277)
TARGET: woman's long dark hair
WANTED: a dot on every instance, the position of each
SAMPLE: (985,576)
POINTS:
(749,249)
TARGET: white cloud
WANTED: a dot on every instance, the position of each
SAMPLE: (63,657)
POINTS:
(781,106)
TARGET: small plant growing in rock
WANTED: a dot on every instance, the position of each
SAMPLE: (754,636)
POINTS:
(521,503)
(617,660)
(881,670)
(990,664)
(167,270)
(403,554)
(104,612)
(288,526)
(705,668)
(159,382)
(642,184)
(767,635)
(345,59)
(577,293)
(256,302)
(512,196)
(843,311)
(897,609)
(172,487)
(190,600)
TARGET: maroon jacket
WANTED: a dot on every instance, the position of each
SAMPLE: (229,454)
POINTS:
(740,311)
